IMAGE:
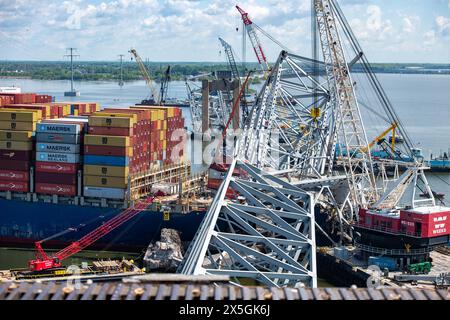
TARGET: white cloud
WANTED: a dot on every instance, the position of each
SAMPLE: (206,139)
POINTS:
(443,26)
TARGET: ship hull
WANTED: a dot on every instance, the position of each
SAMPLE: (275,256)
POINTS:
(22,223)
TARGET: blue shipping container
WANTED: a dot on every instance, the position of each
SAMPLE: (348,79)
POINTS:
(383,262)
(61,128)
(106,160)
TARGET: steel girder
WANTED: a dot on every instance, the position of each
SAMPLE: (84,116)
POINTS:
(282,131)
(266,234)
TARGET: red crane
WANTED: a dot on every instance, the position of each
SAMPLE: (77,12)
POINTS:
(254,39)
(43,262)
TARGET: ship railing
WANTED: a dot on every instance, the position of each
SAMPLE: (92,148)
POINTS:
(394,252)
(389,230)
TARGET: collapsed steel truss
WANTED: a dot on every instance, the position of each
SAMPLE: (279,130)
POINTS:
(266,234)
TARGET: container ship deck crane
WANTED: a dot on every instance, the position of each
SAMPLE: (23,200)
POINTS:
(44,262)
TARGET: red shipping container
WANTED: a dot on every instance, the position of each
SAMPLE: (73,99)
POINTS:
(43,98)
(57,178)
(10,175)
(112,131)
(55,167)
(16,155)
(15,165)
(17,186)
(59,189)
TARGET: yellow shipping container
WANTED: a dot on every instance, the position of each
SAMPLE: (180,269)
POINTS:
(162,135)
(16,145)
(19,126)
(164,144)
(19,115)
(115,115)
(75,112)
(108,182)
(121,122)
(110,171)
(164,125)
(16,135)
(113,141)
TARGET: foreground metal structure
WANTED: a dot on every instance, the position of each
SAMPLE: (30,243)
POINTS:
(161,288)
(268,237)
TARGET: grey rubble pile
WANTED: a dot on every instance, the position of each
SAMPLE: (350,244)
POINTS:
(166,254)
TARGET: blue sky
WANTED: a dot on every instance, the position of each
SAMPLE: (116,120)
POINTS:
(181,30)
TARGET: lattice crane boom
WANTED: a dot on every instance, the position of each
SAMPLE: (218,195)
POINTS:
(144,73)
(230,58)
(350,132)
(262,60)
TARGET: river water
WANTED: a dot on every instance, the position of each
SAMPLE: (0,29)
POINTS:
(421,101)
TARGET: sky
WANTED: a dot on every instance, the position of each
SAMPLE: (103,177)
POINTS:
(187,30)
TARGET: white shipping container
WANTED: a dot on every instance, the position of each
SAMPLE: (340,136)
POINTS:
(108,193)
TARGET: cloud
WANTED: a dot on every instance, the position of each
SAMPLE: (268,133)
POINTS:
(443,26)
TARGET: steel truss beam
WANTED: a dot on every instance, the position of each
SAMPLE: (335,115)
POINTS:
(267,234)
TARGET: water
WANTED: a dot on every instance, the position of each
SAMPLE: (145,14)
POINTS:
(422,102)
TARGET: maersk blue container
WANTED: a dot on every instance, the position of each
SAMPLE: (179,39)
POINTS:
(106,160)
(383,262)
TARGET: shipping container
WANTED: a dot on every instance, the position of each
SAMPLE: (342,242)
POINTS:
(20,126)
(108,193)
(106,160)
(15,165)
(20,115)
(56,178)
(111,131)
(52,127)
(16,135)
(59,189)
(112,171)
(58,138)
(11,175)
(15,186)
(110,182)
(55,167)
(117,122)
(57,147)
(57,157)
(108,151)
(114,141)
(16,155)
(45,110)
(16,145)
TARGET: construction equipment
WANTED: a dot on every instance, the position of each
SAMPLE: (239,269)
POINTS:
(165,79)
(262,60)
(381,136)
(230,58)
(146,75)
(44,262)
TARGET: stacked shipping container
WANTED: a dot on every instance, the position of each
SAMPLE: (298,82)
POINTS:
(58,157)
(16,145)
(120,143)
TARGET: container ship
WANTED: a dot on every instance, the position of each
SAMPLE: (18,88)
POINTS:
(67,167)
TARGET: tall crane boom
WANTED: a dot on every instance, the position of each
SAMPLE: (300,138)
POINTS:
(164,86)
(144,73)
(230,58)
(254,39)
(350,132)
(43,262)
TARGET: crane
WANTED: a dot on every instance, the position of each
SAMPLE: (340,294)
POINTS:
(392,128)
(230,58)
(43,262)
(165,79)
(254,40)
(145,74)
